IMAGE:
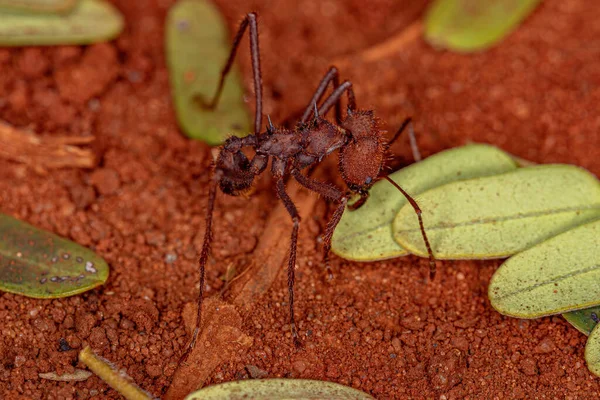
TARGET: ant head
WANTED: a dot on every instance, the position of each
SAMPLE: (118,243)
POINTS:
(362,157)
(237,178)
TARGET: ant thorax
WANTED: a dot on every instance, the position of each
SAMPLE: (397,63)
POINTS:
(319,139)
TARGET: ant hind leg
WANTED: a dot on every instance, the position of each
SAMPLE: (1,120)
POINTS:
(293,211)
(249,20)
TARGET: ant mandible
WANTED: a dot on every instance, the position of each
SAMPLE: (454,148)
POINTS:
(362,150)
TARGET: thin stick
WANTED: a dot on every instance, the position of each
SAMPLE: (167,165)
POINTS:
(415,206)
(113,378)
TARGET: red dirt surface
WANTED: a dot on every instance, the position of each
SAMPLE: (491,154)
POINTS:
(380,327)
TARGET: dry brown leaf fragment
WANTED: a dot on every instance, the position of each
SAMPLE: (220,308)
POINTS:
(45,152)
(77,376)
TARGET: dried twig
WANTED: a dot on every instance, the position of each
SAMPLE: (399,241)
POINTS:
(392,45)
(221,336)
(43,153)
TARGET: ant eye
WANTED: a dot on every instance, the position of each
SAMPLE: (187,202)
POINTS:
(368,180)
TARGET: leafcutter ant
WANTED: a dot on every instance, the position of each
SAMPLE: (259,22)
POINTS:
(362,152)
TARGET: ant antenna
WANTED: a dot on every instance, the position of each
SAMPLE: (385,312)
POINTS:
(271,127)
(316,110)
(415,206)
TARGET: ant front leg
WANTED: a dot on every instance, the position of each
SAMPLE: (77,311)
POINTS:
(411,138)
(249,20)
(332,193)
(334,98)
(331,76)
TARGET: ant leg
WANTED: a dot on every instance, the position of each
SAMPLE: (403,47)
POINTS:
(415,206)
(411,137)
(332,193)
(291,208)
(334,98)
(331,76)
(250,20)
(203,258)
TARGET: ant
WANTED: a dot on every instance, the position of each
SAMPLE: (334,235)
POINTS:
(362,151)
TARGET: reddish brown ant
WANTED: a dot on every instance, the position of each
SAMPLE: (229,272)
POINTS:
(357,136)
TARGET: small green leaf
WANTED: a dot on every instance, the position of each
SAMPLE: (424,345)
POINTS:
(37,263)
(90,21)
(558,275)
(497,216)
(197,47)
(584,320)
(37,6)
(592,351)
(274,389)
(366,234)
(471,25)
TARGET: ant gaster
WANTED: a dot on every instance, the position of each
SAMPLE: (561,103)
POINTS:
(362,151)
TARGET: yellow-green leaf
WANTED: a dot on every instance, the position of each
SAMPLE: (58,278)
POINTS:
(592,351)
(471,25)
(366,234)
(38,6)
(584,320)
(558,275)
(497,216)
(90,21)
(37,263)
(274,389)
(197,46)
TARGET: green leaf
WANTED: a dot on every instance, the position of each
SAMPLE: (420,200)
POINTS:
(273,389)
(558,275)
(366,234)
(90,21)
(592,351)
(497,216)
(37,263)
(197,45)
(584,320)
(471,25)
(37,6)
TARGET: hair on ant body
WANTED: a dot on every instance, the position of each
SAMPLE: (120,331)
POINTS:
(362,151)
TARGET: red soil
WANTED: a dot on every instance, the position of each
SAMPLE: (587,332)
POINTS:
(380,327)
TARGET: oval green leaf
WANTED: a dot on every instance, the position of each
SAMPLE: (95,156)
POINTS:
(197,45)
(592,351)
(471,25)
(90,21)
(498,216)
(40,264)
(38,6)
(366,234)
(584,320)
(273,389)
(558,275)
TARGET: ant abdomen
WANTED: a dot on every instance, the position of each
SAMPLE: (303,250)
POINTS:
(236,175)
